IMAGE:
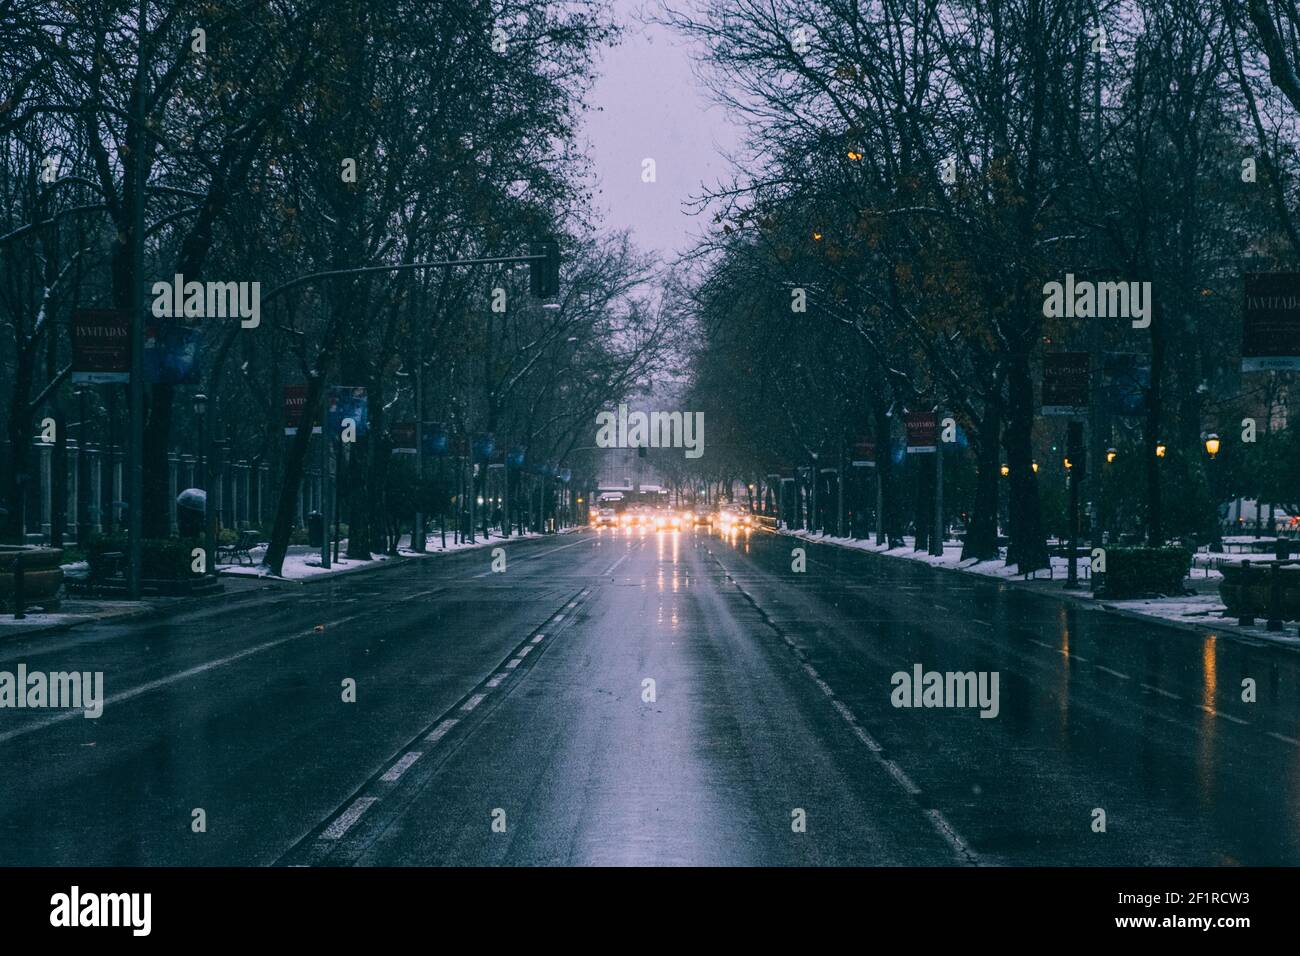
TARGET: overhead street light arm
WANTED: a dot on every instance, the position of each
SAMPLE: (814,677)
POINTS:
(401,267)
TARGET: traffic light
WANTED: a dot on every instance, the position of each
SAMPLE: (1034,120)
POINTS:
(544,274)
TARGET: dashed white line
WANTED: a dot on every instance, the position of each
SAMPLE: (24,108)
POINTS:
(948,833)
(399,768)
(351,815)
(1113,673)
(904,780)
(1284,738)
(513,663)
(474,701)
(866,738)
(441,730)
(845,712)
(497,679)
(1218,713)
(170,679)
(1162,693)
(523,651)
(537,639)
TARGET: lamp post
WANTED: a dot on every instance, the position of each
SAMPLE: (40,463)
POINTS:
(203,411)
(1212,448)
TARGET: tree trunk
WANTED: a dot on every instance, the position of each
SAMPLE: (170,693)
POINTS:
(982,530)
(1028,549)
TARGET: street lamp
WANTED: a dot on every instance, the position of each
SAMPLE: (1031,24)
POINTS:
(1161,448)
(1035,467)
(1111,455)
(1212,448)
(1006,470)
(1068,464)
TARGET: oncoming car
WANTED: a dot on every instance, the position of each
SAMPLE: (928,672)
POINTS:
(735,518)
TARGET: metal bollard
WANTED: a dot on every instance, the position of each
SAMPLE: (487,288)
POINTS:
(1275,598)
(1245,619)
(18,588)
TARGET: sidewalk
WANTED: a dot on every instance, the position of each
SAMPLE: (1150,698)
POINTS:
(1200,612)
(301,566)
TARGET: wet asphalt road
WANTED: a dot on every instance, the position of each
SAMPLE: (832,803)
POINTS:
(661,698)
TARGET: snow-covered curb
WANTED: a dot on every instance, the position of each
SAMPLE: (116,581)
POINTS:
(302,561)
(1197,611)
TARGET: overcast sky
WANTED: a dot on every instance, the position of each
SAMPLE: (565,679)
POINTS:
(647,104)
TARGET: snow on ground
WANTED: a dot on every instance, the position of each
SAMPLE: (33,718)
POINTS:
(303,561)
(1203,607)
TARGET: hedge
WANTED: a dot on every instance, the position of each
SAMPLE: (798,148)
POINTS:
(1142,572)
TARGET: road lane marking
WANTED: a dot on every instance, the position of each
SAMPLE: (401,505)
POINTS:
(523,651)
(399,768)
(867,739)
(441,730)
(497,679)
(1218,713)
(903,779)
(558,618)
(948,833)
(1113,673)
(532,557)
(537,639)
(1284,738)
(349,816)
(936,818)
(474,701)
(513,663)
(1162,693)
(170,679)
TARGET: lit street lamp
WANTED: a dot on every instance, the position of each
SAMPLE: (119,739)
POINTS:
(1212,448)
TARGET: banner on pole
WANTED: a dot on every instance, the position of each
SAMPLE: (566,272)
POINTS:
(864,454)
(1270,334)
(403,435)
(922,432)
(1065,383)
(437,440)
(295,400)
(171,352)
(343,402)
(1126,378)
(101,345)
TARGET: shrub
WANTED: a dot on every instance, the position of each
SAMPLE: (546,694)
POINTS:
(166,559)
(1140,572)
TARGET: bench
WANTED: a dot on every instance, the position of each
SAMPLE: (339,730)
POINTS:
(1064,552)
(244,542)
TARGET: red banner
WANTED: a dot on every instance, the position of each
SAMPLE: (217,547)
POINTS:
(101,345)
(922,432)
